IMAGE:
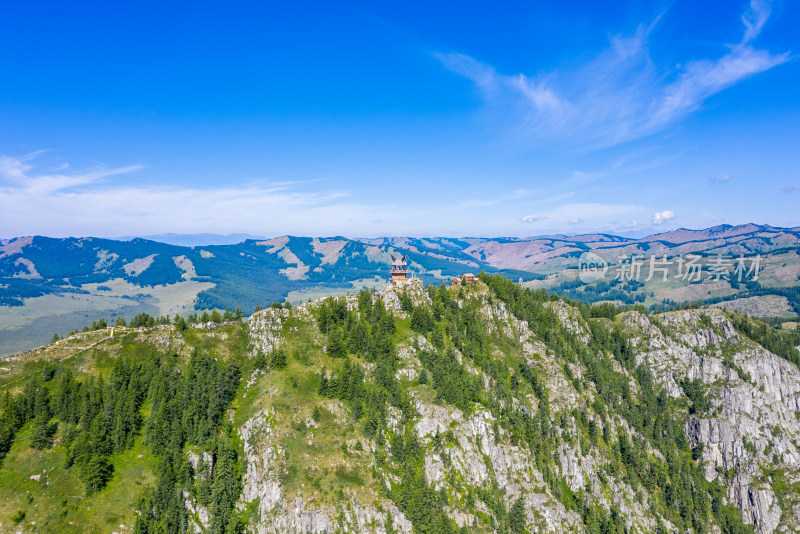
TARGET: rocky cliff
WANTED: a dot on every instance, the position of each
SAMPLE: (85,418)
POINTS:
(481,408)
(310,467)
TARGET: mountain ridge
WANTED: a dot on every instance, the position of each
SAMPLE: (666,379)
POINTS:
(720,228)
(65,283)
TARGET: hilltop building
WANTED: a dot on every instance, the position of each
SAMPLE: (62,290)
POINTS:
(399,269)
(466,278)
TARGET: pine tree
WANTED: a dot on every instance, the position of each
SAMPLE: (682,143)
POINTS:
(516,517)
(180,323)
(260,361)
(43,432)
(279,359)
(421,320)
(337,346)
(423,377)
(96,473)
(323,383)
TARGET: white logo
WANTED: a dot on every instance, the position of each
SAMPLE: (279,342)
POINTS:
(591,267)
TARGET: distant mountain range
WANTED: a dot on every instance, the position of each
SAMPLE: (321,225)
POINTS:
(193,240)
(61,284)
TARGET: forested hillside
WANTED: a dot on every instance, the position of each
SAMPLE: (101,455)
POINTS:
(482,408)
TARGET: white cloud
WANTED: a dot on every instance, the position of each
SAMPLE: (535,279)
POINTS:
(107,202)
(85,203)
(619,95)
(721,179)
(660,217)
(533,218)
(615,226)
(15,172)
(701,79)
(589,214)
(792,188)
(754,19)
(13,169)
(484,76)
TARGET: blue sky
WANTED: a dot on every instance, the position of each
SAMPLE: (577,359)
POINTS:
(398,118)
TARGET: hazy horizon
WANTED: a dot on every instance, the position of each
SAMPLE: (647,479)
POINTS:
(211,239)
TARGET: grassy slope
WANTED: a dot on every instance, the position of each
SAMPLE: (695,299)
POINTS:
(57,502)
(324,458)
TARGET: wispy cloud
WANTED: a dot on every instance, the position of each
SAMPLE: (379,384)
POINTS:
(792,188)
(630,226)
(586,214)
(720,179)
(754,19)
(533,218)
(14,172)
(516,194)
(582,178)
(105,201)
(660,217)
(619,95)
(559,197)
(90,203)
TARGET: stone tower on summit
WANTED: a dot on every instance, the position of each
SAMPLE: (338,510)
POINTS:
(399,269)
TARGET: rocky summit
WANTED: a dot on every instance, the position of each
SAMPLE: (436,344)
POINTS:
(481,408)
